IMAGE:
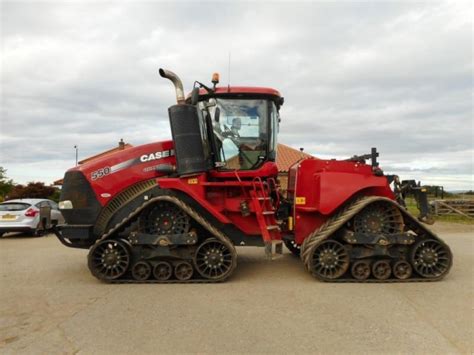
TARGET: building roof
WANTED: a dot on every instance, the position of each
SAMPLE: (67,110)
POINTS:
(287,156)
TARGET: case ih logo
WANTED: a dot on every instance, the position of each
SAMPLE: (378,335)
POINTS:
(158,155)
(98,174)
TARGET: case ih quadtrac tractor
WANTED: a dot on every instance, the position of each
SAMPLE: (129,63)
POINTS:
(174,211)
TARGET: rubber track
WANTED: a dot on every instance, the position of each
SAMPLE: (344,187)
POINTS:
(120,200)
(343,216)
(194,215)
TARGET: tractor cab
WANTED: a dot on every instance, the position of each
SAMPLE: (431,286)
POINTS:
(240,125)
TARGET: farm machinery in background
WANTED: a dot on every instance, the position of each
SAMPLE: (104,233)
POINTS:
(173,211)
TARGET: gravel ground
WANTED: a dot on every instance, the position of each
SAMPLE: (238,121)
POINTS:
(49,303)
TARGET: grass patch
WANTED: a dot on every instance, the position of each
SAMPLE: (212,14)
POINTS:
(411,206)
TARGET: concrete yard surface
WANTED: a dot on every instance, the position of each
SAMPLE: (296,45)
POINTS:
(49,303)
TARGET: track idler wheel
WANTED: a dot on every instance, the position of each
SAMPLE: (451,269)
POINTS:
(361,270)
(214,259)
(109,259)
(330,260)
(162,271)
(183,271)
(141,271)
(430,258)
(381,270)
(402,270)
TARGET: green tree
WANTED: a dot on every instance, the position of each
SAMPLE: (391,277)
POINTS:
(6,185)
(32,190)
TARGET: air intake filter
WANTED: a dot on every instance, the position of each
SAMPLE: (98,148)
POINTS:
(188,146)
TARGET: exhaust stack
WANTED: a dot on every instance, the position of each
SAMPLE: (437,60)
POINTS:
(191,156)
(178,85)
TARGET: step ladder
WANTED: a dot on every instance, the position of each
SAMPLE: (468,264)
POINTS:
(266,216)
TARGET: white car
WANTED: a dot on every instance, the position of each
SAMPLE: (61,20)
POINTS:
(23,215)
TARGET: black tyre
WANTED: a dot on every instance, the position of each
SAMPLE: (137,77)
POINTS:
(330,261)
(431,258)
(109,259)
(214,260)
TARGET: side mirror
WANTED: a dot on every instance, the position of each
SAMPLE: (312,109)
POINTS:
(195,96)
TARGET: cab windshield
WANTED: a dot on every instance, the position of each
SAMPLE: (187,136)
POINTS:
(244,132)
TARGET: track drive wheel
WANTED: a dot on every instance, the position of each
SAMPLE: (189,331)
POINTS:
(361,270)
(214,259)
(109,259)
(430,258)
(165,218)
(379,218)
(330,260)
(183,271)
(162,271)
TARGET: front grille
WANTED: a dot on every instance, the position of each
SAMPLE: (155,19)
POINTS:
(78,190)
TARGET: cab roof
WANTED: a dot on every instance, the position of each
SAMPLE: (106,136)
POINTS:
(243,90)
(235,90)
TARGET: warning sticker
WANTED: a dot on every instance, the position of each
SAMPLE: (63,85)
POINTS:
(300,200)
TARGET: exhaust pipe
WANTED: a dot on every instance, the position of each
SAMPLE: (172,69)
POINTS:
(178,85)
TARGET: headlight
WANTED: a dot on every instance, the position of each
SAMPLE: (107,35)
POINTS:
(65,205)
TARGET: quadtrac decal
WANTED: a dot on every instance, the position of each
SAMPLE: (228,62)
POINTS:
(107,170)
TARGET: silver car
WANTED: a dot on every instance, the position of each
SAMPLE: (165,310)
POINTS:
(25,215)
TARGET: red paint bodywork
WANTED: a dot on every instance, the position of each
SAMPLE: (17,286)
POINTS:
(323,185)
(113,183)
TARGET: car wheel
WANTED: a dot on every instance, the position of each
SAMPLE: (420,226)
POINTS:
(1,234)
(37,233)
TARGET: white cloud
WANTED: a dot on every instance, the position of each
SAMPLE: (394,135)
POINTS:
(354,75)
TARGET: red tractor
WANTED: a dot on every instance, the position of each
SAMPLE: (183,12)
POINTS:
(173,211)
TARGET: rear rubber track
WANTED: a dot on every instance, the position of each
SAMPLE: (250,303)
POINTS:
(334,223)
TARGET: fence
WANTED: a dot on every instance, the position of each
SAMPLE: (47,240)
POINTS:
(453,207)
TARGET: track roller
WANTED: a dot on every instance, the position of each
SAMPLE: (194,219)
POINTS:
(141,271)
(402,270)
(360,270)
(183,271)
(381,269)
(162,271)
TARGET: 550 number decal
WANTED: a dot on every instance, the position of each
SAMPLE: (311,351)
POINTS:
(98,174)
